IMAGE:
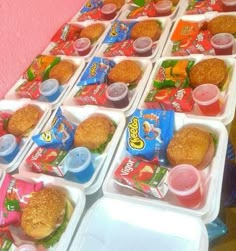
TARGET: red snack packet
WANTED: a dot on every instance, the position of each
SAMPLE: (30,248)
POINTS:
(48,160)
(15,194)
(200,7)
(143,176)
(92,95)
(66,32)
(179,100)
(29,89)
(146,10)
(4,117)
(64,48)
(123,48)
(95,14)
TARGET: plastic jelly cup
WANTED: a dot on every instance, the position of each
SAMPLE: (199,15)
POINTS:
(82,46)
(50,89)
(108,11)
(8,147)
(229,5)
(185,182)
(163,8)
(206,96)
(143,46)
(79,162)
(26,247)
(223,43)
(117,93)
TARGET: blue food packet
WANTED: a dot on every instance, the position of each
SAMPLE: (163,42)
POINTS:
(119,31)
(96,71)
(60,136)
(91,5)
(149,132)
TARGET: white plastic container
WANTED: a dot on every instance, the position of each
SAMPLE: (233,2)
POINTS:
(134,94)
(227,95)
(26,143)
(157,45)
(116,224)
(212,175)
(101,162)
(64,89)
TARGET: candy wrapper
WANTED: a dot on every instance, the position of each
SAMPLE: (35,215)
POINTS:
(203,6)
(96,71)
(143,176)
(178,100)
(60,136)
(147,10)
(64,48)
(47,160)
(91,4)
(149,132)
(95,14)
(123,48)
(173,73)
(91,95)
(29,89)
(15,194)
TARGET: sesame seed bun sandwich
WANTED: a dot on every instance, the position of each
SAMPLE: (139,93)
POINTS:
(46,216)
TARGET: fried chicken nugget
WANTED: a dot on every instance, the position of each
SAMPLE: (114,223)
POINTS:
(93,31)
(118,3)
(146,28)
(222,24)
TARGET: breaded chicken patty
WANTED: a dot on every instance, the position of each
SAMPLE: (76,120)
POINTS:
(94,132)
(222,24)
(23,120)
(93,31)
(118,3)
(126,71)
(212,71)
(146,28)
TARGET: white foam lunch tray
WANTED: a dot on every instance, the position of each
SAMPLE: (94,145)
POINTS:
(101,162)
(76,196)
(195,18)
(134,94)
(227,95)
(13,105)
(159,44)
(79,63)
(212,175)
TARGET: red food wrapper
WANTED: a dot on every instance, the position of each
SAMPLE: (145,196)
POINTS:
(29,89)
(92,95)
(123,48)
(4,118)
(143,176)
(200,7)
(147,10)
(179,100)
(95,14)
(47,160)
(64,48)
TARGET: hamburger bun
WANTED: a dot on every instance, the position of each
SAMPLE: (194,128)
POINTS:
(93,31)
(94,133)
(191,145)
(146,28)
(24,120)
(126,71)
(213,71)
(222,24)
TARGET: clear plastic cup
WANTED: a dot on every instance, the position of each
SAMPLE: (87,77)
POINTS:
(207,96)
(143,46)
(108,11)
(8,147)
(229,5)
(50,89)
(82,46)
(185,182)
(79,162)
(117,93)
(26,247)
(223,43)
(163,8)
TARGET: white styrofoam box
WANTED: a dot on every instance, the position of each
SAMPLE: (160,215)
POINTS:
(134,94)
(157,45)
(12,106)
(212,175)
(94,45)
(195,18)
(227,95)
(75,195)
(114,224)
(100,162)
(64,89)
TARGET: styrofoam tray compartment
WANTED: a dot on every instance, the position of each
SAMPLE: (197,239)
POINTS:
(75,195)
(157,45)
(13,105)
(227,95)
(114,224)
(212,175)
(100,162)
(94,45)
(134,94)
(78,62)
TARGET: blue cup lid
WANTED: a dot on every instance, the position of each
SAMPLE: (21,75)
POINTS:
(49,87)
(7,144)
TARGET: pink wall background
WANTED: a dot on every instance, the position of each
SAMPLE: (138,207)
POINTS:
(26,27)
